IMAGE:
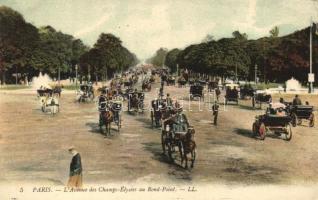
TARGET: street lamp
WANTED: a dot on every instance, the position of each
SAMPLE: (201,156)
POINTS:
(76,68)
(255,74)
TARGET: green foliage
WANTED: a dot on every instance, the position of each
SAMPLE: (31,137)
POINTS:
(159,58)
(106,57)
(171,59)
(277,58)
(28,50)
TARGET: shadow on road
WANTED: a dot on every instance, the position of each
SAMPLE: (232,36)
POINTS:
(246,107)
(244,132)
(147,123)
(175,169)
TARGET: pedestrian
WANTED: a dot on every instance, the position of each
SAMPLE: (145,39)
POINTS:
(75,178)
(215,109)
(217,92)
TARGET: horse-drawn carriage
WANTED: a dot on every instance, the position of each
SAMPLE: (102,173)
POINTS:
(273,122)
(85,93)
(182,81)
(247,91)
(260,97)
(171,80)
(146,85)
(196,91)
(49,100)
(231,95)
(136,101)
(301,112)
(109,111)
(178,137)
(212,85)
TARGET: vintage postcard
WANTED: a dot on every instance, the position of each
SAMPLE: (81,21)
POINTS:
(171,99)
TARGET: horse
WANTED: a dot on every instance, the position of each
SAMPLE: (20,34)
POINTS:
(106,118)
(188,146)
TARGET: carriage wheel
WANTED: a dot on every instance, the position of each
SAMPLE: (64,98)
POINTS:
(294,120)
(312,120)
(254,129)
(288,132)
(262,131)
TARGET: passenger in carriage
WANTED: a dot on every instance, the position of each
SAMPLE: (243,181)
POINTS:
(296,100)
(169,100)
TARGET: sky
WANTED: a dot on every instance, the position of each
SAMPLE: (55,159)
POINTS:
(146,25)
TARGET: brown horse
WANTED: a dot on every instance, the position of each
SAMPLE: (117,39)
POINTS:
(106,118)
(188,146)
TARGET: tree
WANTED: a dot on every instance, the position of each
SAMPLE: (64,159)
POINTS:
(107,57)
(274,32)
(171,59)
(17,40)
(159,58)
(239,36)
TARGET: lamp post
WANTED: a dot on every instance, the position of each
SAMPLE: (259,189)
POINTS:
(310,47)
(255,74)
(16,75)
(59,75)
(76,68)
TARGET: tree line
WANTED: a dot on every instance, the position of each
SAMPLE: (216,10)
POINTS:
(26,50)
(276,59)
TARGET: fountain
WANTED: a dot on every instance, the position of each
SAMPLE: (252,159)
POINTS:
(293,85)
(42,80)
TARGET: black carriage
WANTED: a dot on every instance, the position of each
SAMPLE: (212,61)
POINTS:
(182,82)
(301,112)
(196,91)
(231,95)
(247,91)
(44,92)
(259,98)
(128,83)
(176,137)
(146,85)
(86,93)
(274,123)
(212,85)
(171,80)
(136,101)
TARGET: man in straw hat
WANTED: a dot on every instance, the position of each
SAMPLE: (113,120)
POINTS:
(75,179)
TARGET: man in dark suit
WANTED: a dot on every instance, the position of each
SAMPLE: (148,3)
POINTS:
(75,179)
(215,109)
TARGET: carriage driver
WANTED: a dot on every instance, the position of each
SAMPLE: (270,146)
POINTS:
(102,101)
(169,100)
